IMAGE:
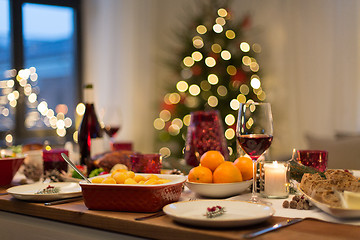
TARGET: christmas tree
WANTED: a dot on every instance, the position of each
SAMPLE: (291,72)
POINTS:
(216,69)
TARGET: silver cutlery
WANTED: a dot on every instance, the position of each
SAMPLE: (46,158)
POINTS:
(62,201)
(74,167)
(285,223)
(155,215)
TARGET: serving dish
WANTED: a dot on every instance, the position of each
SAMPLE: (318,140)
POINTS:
(28,192)
(218,190)
(132,197)
(237,213)
(338,212)
(8,168)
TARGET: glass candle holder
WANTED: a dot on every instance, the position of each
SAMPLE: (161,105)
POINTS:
(313,158)
(116,146)
(53,160)
(146,163)
(274,179)
(204,133)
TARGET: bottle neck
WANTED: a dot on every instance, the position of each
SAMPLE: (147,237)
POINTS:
(88,95)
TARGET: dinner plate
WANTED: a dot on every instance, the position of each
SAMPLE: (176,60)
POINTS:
(218,190)
(28,192)
(237,213)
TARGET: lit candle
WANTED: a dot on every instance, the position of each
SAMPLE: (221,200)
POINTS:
(275,179)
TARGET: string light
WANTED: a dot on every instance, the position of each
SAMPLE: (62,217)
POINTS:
(165,115)
(225,54)
(198,42)
(229,119)
(213,79)
(216,48)
(197,56)
(213,101)
(230,34)
(222,12)
(194,90)
(245,47)
(188,61)
(201,29)
(182,86)
(217,28)
(210,62)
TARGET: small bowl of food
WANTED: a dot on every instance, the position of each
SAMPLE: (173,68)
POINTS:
(130,192)
(8,168)
(219,190)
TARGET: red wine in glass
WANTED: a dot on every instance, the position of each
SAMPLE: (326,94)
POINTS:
(255,144)
(254,132)
(111,130)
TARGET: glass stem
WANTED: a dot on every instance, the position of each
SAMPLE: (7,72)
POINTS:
(254,197)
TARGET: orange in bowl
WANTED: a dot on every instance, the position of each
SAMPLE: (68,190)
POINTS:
(245,165)
(211,159)
(227,172)
(200,174)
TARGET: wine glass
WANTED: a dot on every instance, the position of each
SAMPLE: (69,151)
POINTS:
(111,121)
(254,132)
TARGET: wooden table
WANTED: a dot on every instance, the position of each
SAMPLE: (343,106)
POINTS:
(76,213)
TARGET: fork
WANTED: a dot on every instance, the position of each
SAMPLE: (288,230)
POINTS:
(155,215)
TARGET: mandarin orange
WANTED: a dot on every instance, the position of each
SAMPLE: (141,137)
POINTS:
(245,165)
(211,159)
(227,172)
(200,174)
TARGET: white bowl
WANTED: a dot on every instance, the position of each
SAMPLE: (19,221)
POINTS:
(218,190)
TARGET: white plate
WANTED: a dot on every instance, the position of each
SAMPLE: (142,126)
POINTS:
(218,190)
(238,213)
(28,191)
(338,212)
(333,211)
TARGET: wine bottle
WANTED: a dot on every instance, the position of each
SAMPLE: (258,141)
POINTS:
(90,138)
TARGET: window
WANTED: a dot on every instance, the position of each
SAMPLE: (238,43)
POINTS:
(40,70)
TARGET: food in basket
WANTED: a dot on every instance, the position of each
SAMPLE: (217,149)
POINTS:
(133,197)
(328,189)
(122,176)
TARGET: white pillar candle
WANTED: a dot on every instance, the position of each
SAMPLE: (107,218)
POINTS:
(275,179)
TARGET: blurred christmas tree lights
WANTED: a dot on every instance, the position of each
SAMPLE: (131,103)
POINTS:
(217,69)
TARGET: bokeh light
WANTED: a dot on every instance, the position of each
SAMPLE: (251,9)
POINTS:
(245,47)
(210,62)
(201,29)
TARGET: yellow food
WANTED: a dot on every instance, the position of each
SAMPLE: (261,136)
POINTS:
(117,171)
(121,176)
(139,178)
(97,180)
(109,180)
(130,181)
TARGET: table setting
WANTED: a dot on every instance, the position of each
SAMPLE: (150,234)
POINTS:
(252,195)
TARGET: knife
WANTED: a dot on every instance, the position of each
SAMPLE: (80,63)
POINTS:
(67,200)
(286,223)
